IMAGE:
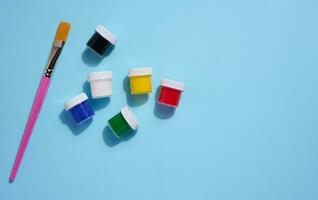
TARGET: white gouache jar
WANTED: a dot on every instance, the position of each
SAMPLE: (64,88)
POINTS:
(100,83)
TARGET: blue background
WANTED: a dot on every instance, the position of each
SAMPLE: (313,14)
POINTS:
(246,127)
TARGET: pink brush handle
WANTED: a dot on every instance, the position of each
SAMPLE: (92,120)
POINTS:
(36,108)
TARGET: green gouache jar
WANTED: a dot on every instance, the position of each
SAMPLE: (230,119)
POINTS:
(124,122)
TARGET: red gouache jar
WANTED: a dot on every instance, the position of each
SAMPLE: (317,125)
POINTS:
(170,92)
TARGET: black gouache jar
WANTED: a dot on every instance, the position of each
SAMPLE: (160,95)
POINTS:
(102,40)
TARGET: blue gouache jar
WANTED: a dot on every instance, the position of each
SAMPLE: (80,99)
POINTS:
(79,108)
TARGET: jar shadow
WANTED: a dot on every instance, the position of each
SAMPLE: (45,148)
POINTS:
(92,59)
(133,100)
(111,140)
(96,104)
(66,119)
(162,111)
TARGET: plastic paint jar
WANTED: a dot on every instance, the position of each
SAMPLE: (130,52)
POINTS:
(140,80)
(101,40)
(101,84)
(79,108)
(125,121)
(170,92)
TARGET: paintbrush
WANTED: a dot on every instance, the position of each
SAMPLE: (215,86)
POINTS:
(59,41)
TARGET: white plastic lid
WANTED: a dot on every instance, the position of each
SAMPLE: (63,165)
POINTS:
(106,34)
(172,84)
(92,76)
(140,71)
(130,117)
(74,101)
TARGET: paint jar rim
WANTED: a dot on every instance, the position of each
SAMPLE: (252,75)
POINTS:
(99,75)
(105,33)
(75,101)
(140,71)
(172,84)
(130,117)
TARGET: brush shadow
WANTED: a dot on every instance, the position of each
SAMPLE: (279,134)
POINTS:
(133,100)
(92,59)
(66,119)
(162,111)
(111,140)
(96,104)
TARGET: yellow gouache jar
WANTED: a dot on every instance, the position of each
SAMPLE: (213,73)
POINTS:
(140,80)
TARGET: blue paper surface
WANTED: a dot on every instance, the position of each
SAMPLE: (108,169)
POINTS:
(246,127)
